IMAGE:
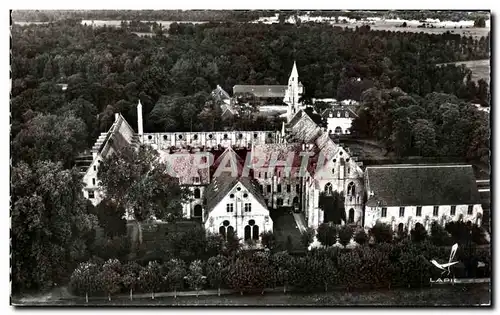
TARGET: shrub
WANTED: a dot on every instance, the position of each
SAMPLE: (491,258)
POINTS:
(110,281)
(382,233)
(418,234)
(176,271)
(327,234)
(345,234)
(215,244)
(269,240)
(439,236)
(307,237)
(249,274)
(361,237)
(130,273)
(306,275)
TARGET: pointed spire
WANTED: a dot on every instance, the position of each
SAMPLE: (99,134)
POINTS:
(294,73)
(139,120)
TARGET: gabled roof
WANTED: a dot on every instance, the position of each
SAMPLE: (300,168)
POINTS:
(339,111)
(183,166)
(228,155)
(261,90)
(264,154)
(222,185)
(308,132)
(421,185)
(219,93)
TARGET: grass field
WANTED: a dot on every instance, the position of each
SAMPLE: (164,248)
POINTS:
(458,295)
(480,68)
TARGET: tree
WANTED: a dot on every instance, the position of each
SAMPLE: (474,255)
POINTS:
(195,277)
(327,234)
(439,236)
(130,278)
(140,183)
(110,281)
(345,234)
(480,22)
(216,271)
(307,237)
(361,237)
(418,234)
(382,233)
(110,218)
(51,217)
(84,279)
(176,271)
(150,278)
(215,244)
(268,240)
(50,137)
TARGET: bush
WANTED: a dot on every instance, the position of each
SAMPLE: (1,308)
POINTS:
(361,237)
(305,275)
(269,240)
(439,236)
(215,244)
(345,234)
(176,271)
(327,234)
(117,247)
(382,233)
(110,281)
(130,275)
(307,237)
(150,278)
(418,234)
(250,274)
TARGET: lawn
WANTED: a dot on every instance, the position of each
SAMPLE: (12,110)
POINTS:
(442,295)
(480,68)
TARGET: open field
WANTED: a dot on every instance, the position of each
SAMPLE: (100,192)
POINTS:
(470,294)
(480,68)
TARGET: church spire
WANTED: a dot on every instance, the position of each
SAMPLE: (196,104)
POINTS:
(294,73)
(139,120)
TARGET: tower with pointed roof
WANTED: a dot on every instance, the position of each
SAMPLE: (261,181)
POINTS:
(293,92)
(140,130)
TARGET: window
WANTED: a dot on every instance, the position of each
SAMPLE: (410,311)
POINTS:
(279,202)
(351,216)
(91,194)
(328,188)
(348,170)
(384,212)
(351,189)
(279,173)
(436,211)
(278,188)
(469,209)
(196,180)
(401,211)
(331,115)
(288,188)
(245,195)
(248,207)
(262,188)
(419,211)
(265,175)
(453,210)
(268,188)
(197,193)
(95,168)
(259,175)
(229,207)
(297,188)
(93,181)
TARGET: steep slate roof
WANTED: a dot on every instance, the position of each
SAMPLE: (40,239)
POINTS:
(223,184)
(233,157)
(278,151)
(421,185)
(339,109)
(219,93)
(261,90)
(309,129)
(183,167)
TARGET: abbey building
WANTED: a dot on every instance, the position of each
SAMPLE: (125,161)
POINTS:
(253,175)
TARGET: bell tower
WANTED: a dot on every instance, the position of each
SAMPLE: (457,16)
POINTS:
(292,93)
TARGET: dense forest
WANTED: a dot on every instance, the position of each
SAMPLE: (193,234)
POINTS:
(409,103)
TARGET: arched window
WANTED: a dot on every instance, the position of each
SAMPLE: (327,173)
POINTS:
(351,189)
(279,201)
(338,130)
(351,216)
(248,232)
(230,231)
(222,231)
(329,188)
(198,211)
(295,200)
(226,230)
(255,232)
(197,193)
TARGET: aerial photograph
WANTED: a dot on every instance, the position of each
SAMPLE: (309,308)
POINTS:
(250,158)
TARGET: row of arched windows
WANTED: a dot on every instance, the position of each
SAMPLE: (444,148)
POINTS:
(351,189)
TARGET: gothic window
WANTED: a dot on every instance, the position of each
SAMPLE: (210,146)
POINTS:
(222,231)
(328,188)
(401,211)
(195,137)
(338,130)
(419,211)
(278,188)
(93,181)
(268,188)
(351,216)
(197,193)
(469,209)
(230,231)
(225,136)
(436,211)
(229,207)
(288,188)
(198,211)
(248,207)
(248,232)
(384,212)
(255,232)
(453,210)
(95,168)
(351,189)
(265,175)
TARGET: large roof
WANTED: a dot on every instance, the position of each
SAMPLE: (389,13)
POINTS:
(264,154)
(185,167)
(339,111)
(421,185)
(263,91)
(222,185)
